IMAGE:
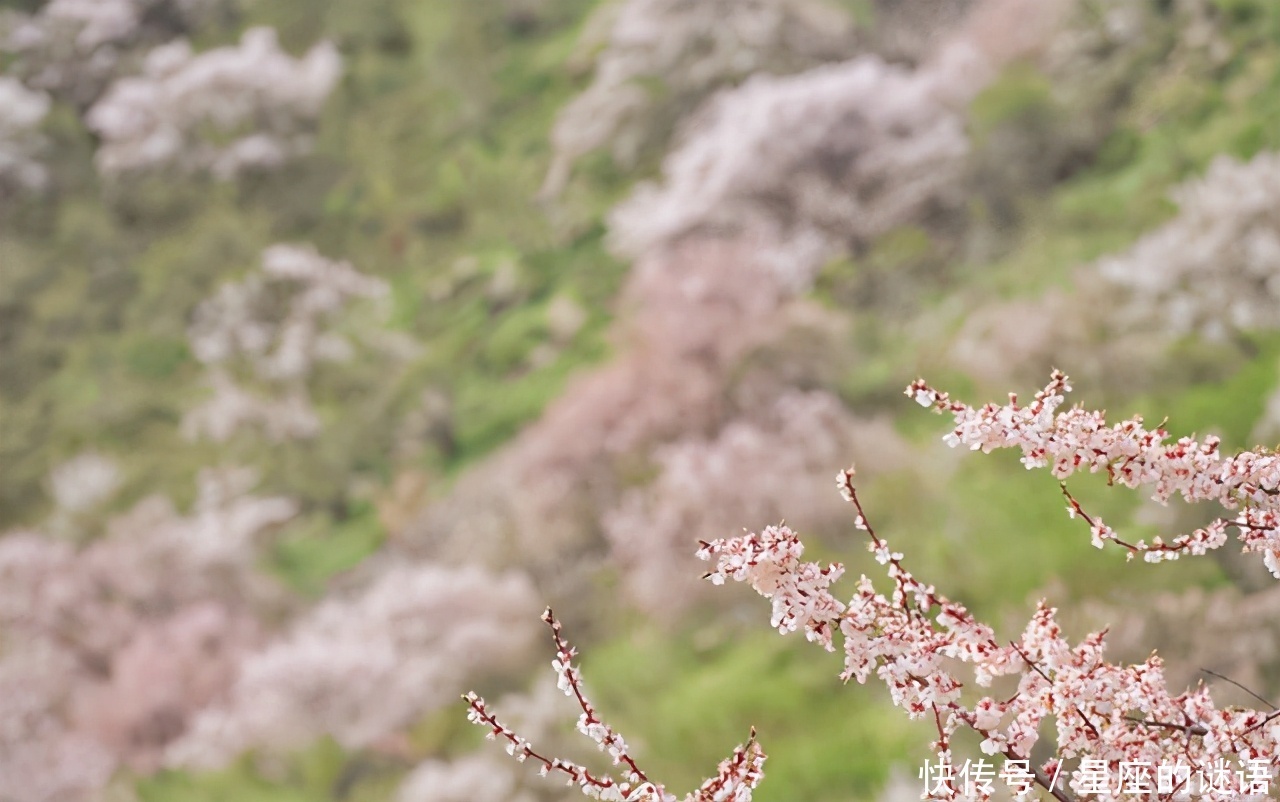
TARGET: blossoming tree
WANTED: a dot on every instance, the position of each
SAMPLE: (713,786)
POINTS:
(1110,732)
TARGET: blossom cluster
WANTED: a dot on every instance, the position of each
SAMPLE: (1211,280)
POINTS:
(240,318)
(912,638)
(1107,718)
(362,668)
(827,160)
(20,140)
(1213,268)
(1133,456)
(109,649)
(757,466)
(259,103)
(735,779)
(690,49)
(74,49)
(279,322)
(848,150)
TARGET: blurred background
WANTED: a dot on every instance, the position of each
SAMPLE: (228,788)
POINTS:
(339,337)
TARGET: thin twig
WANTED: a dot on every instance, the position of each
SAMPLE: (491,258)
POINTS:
(1238,685)
(565,652)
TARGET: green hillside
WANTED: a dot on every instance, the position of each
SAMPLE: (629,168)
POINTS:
(425,173)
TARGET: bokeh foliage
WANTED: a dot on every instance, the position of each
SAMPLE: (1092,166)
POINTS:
(429,156)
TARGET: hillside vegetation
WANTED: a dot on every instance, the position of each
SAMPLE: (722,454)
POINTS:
(337,338)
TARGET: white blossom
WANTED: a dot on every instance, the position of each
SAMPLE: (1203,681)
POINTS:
(84,481)
(262,103)
(365,667)
(1215,268)
(20,140)
(820,160)
(75,48)
(277,323)
(689,47)
(287,416)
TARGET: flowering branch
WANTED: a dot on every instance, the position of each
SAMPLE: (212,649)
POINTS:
(737,776)
(1127,736)
(1114,720)
(589,723)
(1130,455)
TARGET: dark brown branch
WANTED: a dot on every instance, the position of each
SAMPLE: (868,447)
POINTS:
(1193,729)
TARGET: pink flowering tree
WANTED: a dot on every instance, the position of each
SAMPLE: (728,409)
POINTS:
(1053,717)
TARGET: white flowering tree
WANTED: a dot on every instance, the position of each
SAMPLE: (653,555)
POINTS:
(689,49)
(276,325)
(20,139)
(74,49)
(1212,269)
(834,156)
(228,110)
(1054,717)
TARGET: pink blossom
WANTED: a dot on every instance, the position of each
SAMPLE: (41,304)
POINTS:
(1108,715)
(759,465)
(110,649)
(1132,456)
